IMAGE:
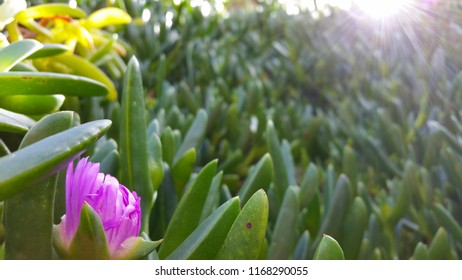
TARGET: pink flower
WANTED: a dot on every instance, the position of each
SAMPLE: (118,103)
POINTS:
(117,207)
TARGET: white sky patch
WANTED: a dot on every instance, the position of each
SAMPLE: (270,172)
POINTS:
(168,19)
(253,124)
(73,4)
(156,28)
(146,15)
(206,9)
(219,6)
(196,3)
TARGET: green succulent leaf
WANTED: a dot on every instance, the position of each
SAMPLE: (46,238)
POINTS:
(133,146)
(281,179)
(205,241)
(328,249)
(193,137)
(136,248)
(309,185)
(439,249)
(182,170)
(301,250)
(33,208)
(156,164)
(49,50)
(32,104)
(259,178)
(188,213)
(353,228)
(35,83)
(247,234)
(4,150)
(26,166)
(338,207)
(17,52)
(89,242)
(103,149)
(448,221)
(14,122)
(110,163)
(80,67)
(284,232)
(107,16)
(420,252)
(213,198)
(49,10)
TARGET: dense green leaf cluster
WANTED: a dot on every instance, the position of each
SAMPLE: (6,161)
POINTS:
(253,134)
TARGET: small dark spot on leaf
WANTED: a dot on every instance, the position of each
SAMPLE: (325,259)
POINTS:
(249,225)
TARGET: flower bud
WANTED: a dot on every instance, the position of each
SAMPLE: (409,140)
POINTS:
(102,216)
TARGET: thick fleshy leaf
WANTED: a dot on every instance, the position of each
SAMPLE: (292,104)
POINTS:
(168,145)
(89,242)
(193,137)
(32,104)
(288,162)
(26,166)
(49,50)
(136,248)
(4,150)
(246,236)
(107,16)
(104,53)
(110,163)
(133,147)
(76,65)
(23,67)
(350,168)
(420,252)
(156,164)
(301,249)
(439,249)
(259,178)
(448,221)
(284,231)
(188,212)
(328,249)
(16,52)
(404,199)
(103,148)
(281,179)
(49,10)
(35,83)
(181,171)
(309,185)
(353,228)
(205,242)
(213,198)
(13,122)
(338,208)
(32,209)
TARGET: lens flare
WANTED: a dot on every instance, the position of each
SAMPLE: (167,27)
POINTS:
(382,8)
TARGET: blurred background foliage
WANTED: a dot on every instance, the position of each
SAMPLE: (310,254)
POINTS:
(351,126)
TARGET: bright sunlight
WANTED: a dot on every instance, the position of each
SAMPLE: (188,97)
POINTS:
(382,8)
(377,9)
